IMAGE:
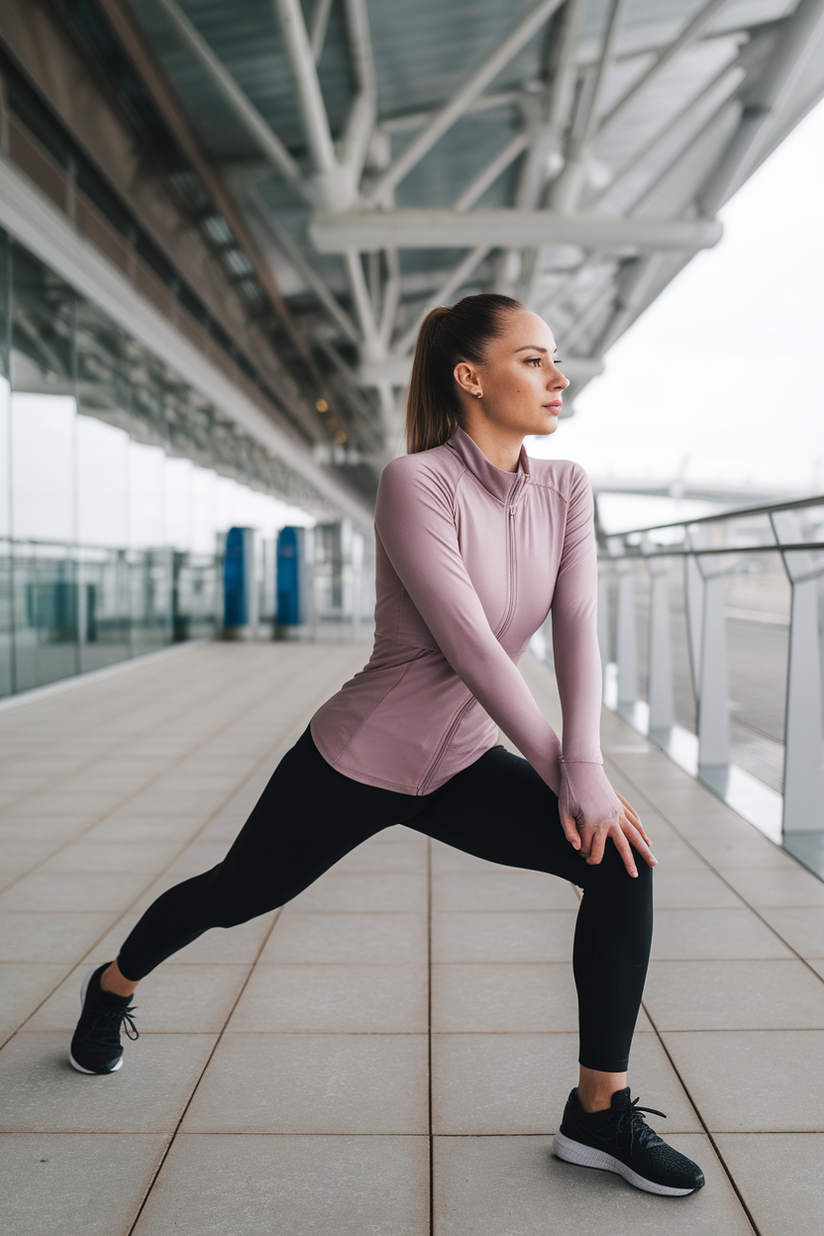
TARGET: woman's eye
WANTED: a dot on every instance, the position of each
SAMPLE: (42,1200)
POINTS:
(533,360)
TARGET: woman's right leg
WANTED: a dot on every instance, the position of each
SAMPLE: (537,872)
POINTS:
(307,818)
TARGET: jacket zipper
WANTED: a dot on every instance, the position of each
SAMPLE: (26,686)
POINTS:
(447,738)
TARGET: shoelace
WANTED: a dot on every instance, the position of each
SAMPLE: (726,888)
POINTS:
(637,1123)
(110,1018)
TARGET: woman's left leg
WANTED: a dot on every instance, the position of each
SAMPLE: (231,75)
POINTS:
(500,809)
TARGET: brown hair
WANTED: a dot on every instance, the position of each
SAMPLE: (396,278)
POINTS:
(446,337)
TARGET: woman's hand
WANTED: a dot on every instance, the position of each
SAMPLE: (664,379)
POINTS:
(592,812)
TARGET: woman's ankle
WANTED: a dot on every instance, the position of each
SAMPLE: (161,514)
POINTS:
(595,1089)
(113,981)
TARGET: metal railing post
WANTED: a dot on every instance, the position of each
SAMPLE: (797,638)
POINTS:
(603,626)
(660,693)
(803,737)
(625,642)
(694,605)
(713,701)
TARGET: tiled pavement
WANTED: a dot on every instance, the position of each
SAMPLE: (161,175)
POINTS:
(409,1018)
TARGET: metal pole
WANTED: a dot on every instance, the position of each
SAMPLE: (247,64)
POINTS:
(625,641)
(660,692)
(713,703)
(310,99)
(463,98)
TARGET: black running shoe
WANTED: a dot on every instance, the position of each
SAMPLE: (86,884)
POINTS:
(619,1139)
(96,1046)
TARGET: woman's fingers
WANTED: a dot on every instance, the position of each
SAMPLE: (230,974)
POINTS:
(640,843)
(625,850)
(634,816)
(571,831)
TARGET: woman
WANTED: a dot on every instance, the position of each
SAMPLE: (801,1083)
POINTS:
(475,544)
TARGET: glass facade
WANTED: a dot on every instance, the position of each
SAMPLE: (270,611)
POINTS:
(118,483)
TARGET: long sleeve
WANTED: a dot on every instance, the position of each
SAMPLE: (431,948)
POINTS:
(585,791)
(415,523)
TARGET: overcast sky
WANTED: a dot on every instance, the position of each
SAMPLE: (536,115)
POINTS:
(723,377)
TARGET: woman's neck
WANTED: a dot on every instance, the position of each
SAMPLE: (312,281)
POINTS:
(500,449)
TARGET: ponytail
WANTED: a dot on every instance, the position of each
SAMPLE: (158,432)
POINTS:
(447,337)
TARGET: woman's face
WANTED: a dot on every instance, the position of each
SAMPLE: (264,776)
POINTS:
(519,380)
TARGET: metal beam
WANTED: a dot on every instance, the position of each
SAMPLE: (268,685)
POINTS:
(257,128)
(447,229)
(800,34)
(459,275)
(293,254)
(486,178)
(690,34)
(319,26)
(462,99)
(361,120)
(310,99)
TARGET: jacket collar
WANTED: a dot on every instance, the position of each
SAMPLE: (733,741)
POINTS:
(505,486)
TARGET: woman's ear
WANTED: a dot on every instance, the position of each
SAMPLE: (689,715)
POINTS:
(467,377)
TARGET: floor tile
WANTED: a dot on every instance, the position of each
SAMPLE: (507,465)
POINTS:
(352,938)
(778,888)
(713,934)
(801,926)
(45,1185)
(216,1184)
(673,854)
(393,891)
(22,988)
(734,853)
(503,936)
(501,890)
(337,999)
(56,891)
(685,889)
(503,998)
(408,855)
(734,995)
(218,946)
(193,999)
(42,1093)
(718,1068)
(491,1186)
(43,937)
(313,1083)
(518,1083)
(90,857)
(17,855)
(781,1178)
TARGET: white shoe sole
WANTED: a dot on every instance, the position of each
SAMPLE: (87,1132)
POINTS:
(91,1072)
(587,1156)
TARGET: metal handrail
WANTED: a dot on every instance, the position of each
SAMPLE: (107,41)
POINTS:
(736,513)
(802,809)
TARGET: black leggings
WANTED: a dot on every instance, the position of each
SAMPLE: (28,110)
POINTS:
(499,809)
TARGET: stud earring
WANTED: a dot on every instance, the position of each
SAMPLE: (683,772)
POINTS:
(479,394)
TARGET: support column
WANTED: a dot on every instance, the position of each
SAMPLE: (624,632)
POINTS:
(626,643)
(713,703)
(660,692)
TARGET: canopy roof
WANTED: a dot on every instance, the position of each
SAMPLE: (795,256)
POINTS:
(391,156)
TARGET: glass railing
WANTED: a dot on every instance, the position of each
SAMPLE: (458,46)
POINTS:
(712,640)
(66,609)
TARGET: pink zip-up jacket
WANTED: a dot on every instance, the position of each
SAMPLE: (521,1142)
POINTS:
(470,560)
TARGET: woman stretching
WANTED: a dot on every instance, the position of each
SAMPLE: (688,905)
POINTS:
(476,543)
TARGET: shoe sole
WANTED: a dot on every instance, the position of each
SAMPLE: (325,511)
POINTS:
(587,1156)
(91,1072)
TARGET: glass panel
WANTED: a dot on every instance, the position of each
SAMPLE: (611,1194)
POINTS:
(45,614)
(103,605)
(757,622)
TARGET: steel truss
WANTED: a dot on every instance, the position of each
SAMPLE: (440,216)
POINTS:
(595,228)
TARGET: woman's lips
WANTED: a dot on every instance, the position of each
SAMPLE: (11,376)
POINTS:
(554,407)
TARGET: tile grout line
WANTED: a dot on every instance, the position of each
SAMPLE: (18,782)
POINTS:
(746,904)
(267,755)
(195,1087)
(168,718)
(705,1127)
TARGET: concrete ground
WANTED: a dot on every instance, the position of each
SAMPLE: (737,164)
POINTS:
(390,1054)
